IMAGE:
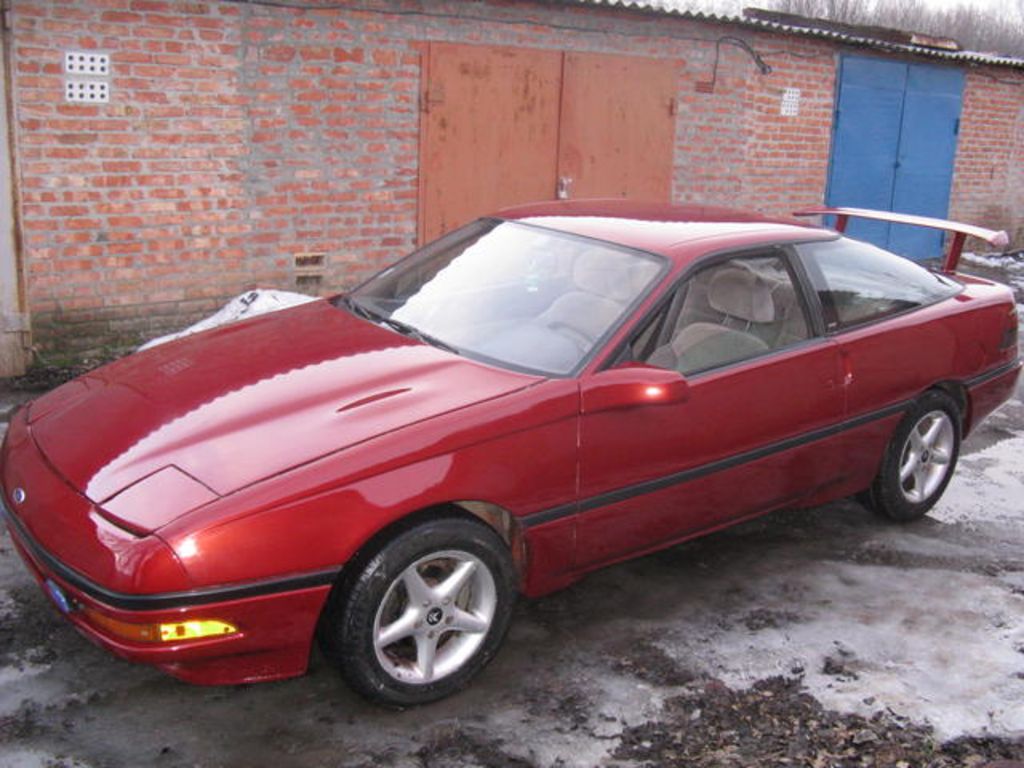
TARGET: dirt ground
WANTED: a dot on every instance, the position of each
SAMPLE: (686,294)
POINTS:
(808,638)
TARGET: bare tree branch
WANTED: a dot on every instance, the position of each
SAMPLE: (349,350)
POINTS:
(972,27)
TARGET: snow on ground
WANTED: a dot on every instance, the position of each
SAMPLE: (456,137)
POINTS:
(21,681)
(932,645)
(1011,262)
(29,758)
(988,487)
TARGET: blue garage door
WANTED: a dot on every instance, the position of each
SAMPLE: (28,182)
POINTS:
(893,147)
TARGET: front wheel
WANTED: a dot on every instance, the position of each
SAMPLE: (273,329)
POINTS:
(919,460)
(425,614)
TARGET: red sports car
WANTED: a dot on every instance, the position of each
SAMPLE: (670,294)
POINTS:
(529,398)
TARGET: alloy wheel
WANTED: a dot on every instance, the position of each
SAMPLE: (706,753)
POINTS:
(434,617)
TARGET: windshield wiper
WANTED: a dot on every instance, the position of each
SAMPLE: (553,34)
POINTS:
(356,308)
(410,330)
(403,328)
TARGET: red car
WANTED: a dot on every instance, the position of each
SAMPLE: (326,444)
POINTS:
(531,397)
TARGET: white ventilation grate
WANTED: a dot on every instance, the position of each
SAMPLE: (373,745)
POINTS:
(87,63)
(94,91)
(790,106)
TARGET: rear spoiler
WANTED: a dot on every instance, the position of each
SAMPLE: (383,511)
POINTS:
(960,231)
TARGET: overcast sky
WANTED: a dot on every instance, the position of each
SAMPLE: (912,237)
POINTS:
(992,5)
(736,6)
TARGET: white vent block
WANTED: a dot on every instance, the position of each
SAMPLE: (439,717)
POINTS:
(90,91)
(790,106)
(87,63)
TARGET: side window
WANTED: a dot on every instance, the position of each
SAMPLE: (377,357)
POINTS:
(857,282)
(728,312)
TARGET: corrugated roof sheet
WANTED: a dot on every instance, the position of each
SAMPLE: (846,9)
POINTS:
(678,9)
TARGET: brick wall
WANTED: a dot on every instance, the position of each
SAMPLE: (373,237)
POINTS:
(988,178)
(735,147)
(240,136)
(134,213)
(787,155)
(712,123)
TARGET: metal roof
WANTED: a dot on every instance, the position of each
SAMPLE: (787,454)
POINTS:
(814,29)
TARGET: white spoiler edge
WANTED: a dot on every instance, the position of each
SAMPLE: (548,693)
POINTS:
(995,238)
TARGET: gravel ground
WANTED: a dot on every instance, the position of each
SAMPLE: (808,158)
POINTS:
(821,637)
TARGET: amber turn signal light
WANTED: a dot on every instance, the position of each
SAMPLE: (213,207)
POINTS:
(193,630)
(170,632)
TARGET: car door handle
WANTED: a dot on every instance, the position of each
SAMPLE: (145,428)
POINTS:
(847,368)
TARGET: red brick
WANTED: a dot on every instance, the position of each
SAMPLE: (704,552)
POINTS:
(154,6)
(342,55)
(278,53)
(315,53)
(120,17)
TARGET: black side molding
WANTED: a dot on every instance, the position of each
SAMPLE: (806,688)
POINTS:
(686,475)
(994,373)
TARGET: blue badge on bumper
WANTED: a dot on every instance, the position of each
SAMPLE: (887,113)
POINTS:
(59,597)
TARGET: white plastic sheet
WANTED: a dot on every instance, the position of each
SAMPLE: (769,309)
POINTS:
(259,301)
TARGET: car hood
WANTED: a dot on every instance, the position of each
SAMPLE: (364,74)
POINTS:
(244,402)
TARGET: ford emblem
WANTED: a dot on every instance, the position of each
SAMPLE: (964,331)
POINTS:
(18,495)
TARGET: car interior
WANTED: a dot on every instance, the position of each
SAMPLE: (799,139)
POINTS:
(729,312)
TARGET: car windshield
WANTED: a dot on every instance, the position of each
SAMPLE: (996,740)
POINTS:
(514,294)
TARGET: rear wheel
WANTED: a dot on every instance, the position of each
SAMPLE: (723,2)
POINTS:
(425,614)
(919,460)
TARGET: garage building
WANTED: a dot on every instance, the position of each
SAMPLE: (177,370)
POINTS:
(167,154)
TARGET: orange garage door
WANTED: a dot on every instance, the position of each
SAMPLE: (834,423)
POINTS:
(508,125)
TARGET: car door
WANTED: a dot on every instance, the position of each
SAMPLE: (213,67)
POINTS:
(753,432)
(889,352)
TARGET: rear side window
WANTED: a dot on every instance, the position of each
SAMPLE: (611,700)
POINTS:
(858,283)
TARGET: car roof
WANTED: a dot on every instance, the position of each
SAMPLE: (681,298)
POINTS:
(680,232)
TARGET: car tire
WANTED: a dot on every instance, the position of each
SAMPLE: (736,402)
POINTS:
(919,460)
(424,614)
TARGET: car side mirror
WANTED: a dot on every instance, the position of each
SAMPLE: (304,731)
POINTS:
(633,385)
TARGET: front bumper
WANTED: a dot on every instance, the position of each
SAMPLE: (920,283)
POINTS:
(274,630)
(96,576)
